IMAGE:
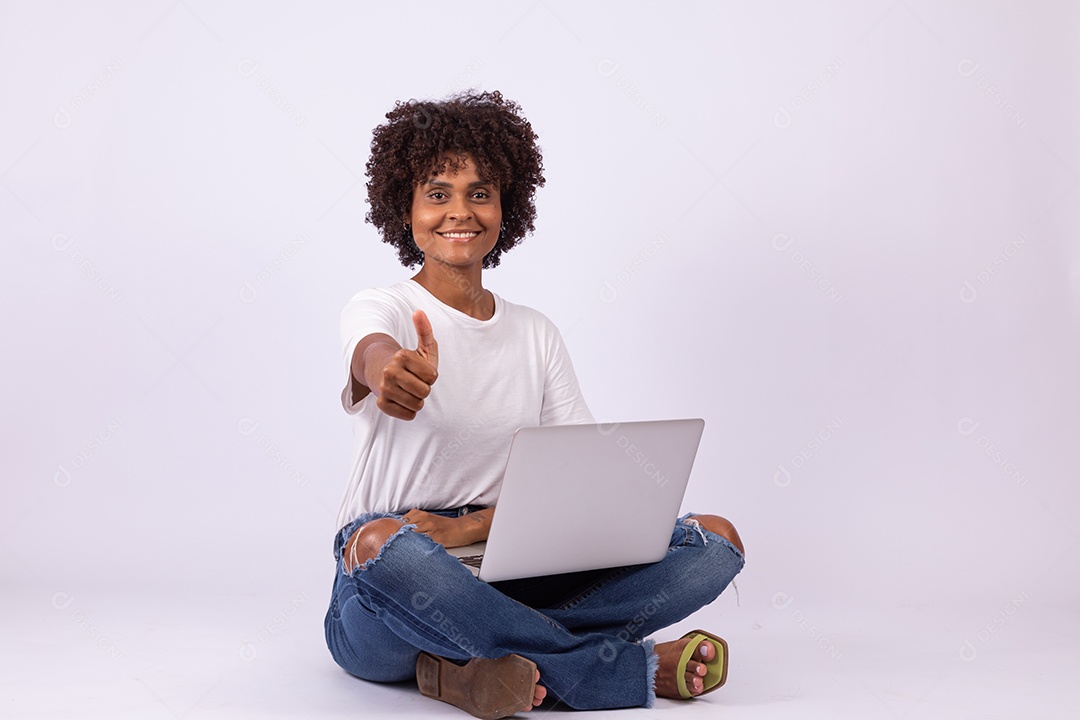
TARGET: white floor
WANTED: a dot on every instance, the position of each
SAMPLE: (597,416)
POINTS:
(192,655)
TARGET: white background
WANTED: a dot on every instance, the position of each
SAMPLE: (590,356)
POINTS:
(845,234)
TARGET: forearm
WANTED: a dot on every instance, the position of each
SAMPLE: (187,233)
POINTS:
(375,358)
(369,358)
(452,531)
(478,524)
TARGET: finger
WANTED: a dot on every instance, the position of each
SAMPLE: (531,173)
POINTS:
(420,366)
(407,380)
(425,339)
(394,410)
(394,395)
(405,377)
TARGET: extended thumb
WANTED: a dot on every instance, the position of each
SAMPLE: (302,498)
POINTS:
(425,338)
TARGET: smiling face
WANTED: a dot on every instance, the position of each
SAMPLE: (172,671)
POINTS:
(455,216)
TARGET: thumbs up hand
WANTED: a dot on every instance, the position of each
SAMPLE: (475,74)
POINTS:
(426,347)
(407,375)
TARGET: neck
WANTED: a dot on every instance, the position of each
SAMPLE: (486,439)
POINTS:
(461,289)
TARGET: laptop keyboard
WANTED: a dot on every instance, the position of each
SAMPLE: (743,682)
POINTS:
(471,560)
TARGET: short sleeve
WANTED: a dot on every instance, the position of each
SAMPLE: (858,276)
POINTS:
(563,402)
(368,312)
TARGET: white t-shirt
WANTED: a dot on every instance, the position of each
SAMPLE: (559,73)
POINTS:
(495,376)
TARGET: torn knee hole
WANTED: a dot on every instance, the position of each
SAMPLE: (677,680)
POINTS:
(367,541)
(718,526)
(692,520)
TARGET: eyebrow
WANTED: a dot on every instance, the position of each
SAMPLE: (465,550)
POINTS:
(443,183)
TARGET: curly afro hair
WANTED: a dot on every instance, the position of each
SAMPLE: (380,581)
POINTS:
(419,140)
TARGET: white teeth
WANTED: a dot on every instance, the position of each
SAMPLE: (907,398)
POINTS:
(460,235)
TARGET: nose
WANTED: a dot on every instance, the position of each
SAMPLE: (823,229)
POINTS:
(459,209)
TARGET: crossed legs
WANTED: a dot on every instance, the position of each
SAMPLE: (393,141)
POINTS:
(603,613)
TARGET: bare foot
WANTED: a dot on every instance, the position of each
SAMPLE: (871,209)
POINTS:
(693,671)
(539,693)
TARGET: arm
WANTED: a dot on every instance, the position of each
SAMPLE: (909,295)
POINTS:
(399,378)
(373,351)
(479,523)
(450,531)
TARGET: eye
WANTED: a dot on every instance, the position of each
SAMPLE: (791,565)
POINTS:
(437,195)
(481,195)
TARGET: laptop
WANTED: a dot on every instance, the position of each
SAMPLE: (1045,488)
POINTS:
(564,483)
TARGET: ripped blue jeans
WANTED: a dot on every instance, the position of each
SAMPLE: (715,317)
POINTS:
(585,631)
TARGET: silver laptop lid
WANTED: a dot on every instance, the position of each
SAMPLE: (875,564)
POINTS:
(583,497)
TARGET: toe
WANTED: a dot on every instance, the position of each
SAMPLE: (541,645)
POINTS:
(539,692)
(695,668)
(693,683)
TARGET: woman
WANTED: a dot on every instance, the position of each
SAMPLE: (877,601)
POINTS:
(441,372)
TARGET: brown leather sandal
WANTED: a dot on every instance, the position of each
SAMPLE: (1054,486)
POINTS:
(484,688)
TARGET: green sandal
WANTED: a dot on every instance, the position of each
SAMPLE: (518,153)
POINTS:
(715,669)
(482,687)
